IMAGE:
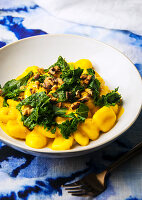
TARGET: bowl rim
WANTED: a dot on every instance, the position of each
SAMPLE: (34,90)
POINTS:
(84,148)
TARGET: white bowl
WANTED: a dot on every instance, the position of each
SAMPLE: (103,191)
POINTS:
(115,68)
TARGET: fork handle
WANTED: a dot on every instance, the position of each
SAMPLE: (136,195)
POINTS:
(137,149)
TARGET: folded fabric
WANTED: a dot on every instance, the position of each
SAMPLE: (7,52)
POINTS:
(118,14)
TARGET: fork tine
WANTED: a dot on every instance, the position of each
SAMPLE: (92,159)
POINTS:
(74,188)
(79,193)
(75,184)
(74,191)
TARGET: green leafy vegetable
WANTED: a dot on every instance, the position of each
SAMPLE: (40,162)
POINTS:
(109,99)
(91,71)
(42,113)
(40,79)
(53,130)
(68,127)
(60,63)
(71,79)
(72,83)
(94,85)
(83,110)
(61,96)
(11,89)
(59,111)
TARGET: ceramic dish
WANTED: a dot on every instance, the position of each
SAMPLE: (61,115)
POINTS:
(113,66)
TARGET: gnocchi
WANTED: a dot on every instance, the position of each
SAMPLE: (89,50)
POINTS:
(58,107)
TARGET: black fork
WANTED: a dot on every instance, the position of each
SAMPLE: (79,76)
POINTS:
(94,184)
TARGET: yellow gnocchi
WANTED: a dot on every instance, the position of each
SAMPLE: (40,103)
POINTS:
(16,130)
(105,118)
(60,143)
(36,140)
(59,107)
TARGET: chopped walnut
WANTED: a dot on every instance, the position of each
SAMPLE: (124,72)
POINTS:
(89,91)
(84,99)
(27,110)
(78,94)
(20,98)
(59,105)
(48,83)
(57,68)
(32,90)
(59,81)
(54,70)
(75,105)
(51,71)
(83,76)
(87,80)
(37,76)
(52,98)
(54,87)
(89,77)
(47,86)
(40,70)
(55,80)
(37,84)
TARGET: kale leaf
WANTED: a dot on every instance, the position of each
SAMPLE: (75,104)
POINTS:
(72,83)
(71,78)
(59,111)
(11,89)
(40,79)
(61,96)
(42,113)
(110,99)
(82,110)
(60,63)
(91,71)
(94,85)
(68,127)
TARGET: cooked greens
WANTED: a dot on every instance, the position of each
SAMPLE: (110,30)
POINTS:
(82,110)
(11,89)
(44,113)
(110,99)
(70,83)
(41,78)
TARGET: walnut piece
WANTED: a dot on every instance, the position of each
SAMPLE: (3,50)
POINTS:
(27,110)
(78,94)
(54,70)
(84,99)
(59,105)
(32,90)
(52,98)
(89,91)
(48,83)
(83,76)
(59,81)
(37,76)
(75,105)
(40,70)
(87,80)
